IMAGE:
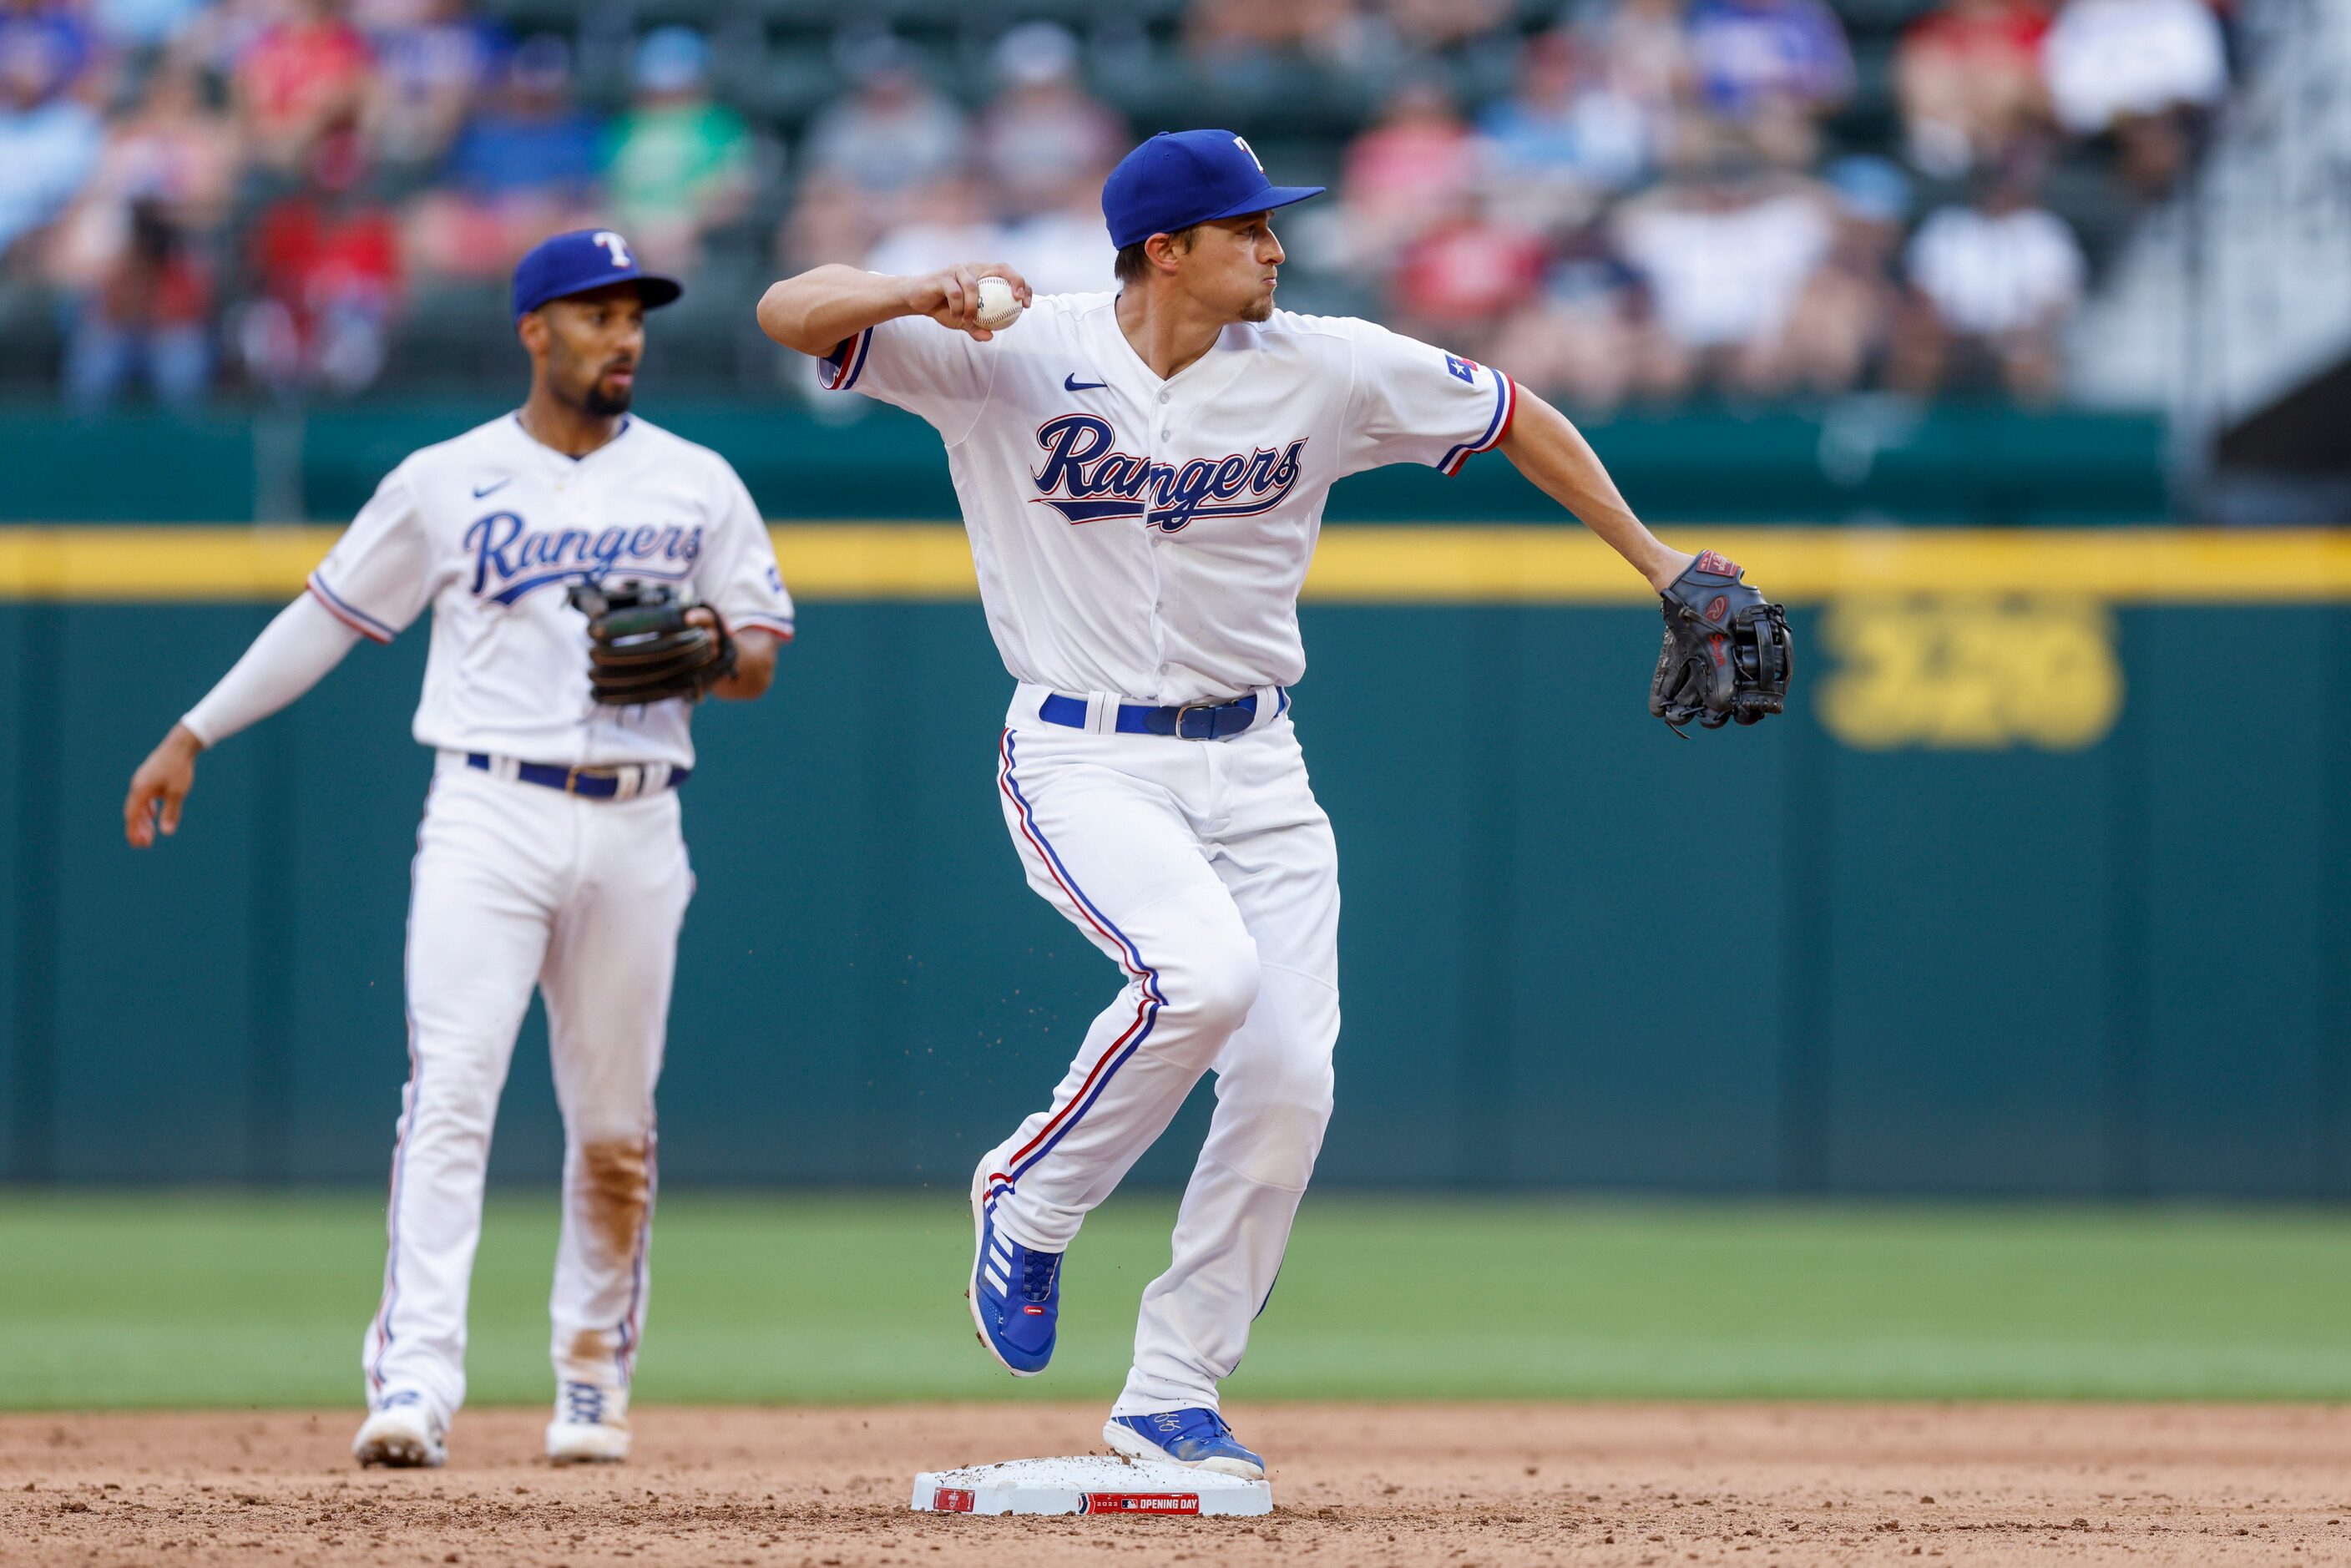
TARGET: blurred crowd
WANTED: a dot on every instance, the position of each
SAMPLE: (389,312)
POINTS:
(1654,211)
(1662,202)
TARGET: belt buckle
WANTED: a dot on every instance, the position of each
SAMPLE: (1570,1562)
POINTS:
(1208,708)
(571,779)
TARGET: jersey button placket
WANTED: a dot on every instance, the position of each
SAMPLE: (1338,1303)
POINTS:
(1157,539)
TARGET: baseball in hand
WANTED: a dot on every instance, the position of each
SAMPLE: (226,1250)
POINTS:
(997,307)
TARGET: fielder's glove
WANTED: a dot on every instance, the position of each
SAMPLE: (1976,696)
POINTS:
(642,648)
(1727,654)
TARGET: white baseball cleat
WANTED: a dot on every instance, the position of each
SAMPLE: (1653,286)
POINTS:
(401,1434)
(590,1425)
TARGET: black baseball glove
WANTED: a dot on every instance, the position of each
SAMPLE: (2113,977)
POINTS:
(642,648)
(1727,654)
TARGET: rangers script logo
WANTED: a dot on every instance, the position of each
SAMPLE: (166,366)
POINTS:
(1088,481)
(510,559)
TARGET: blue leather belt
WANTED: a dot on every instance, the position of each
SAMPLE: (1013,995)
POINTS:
(596,783)
(1192,721)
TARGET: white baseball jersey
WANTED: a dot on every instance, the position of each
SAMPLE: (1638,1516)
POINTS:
(1147,538)
(493,528)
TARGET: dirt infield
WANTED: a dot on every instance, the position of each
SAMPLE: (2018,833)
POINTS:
(1446,1485)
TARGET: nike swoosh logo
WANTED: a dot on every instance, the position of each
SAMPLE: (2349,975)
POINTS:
(482,490)
(1071,383)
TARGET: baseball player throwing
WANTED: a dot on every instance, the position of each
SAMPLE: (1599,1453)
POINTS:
(563,549)
(1143,475)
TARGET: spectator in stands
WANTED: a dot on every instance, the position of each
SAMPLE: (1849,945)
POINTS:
(148,318)
(1644,47)
(1222,34)
(160,189)
(1468,270)
(1564,138)
(893,135)
(327,260)
(1772,67)
(1968,77)
(432,60)
(48,140)
(56,36)
(830,220)
(1997,278)
(1724,253)
(223,32)
(1425,25)
(1061,252)
(952,224)
(1405,173)
(173,150)
(1841,328)
(2141,69)
(1045,141)
(678,164)
(525,167)
(301,79)
(1045,144)
(1579,340)
(1064,251)
(143,27)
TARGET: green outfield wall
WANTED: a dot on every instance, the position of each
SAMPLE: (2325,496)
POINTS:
(2040,889)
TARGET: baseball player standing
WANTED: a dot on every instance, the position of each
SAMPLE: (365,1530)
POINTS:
(550,851)
(1142,475)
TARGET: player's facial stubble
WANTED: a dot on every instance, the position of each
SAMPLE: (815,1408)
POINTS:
(593,344)
(599,401)
(1229,267)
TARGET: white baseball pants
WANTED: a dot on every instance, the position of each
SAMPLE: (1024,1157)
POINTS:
(1208,874)
(519,885)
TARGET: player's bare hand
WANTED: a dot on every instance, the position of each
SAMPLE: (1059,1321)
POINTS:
(951,297)
(159,786)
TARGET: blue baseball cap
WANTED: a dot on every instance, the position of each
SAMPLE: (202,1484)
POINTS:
(577,262)
(1179,178)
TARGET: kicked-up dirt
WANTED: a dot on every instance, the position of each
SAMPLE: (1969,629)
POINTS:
(1448,1485)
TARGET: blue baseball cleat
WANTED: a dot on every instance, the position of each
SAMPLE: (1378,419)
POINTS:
(1199,1439)
(1016,1292)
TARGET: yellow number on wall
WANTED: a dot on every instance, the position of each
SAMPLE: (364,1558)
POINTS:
(1970,672)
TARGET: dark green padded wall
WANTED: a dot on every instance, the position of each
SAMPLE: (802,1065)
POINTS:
(1577,950)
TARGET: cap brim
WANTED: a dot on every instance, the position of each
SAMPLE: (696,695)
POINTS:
(654,289)
(1265,201)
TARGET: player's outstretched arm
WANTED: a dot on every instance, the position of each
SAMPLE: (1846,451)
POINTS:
(292,654)
(818,310)
(1727,654)
(1552,453)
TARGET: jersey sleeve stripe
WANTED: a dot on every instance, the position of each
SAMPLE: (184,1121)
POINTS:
(840,374)
(358,620)
(1505,408)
